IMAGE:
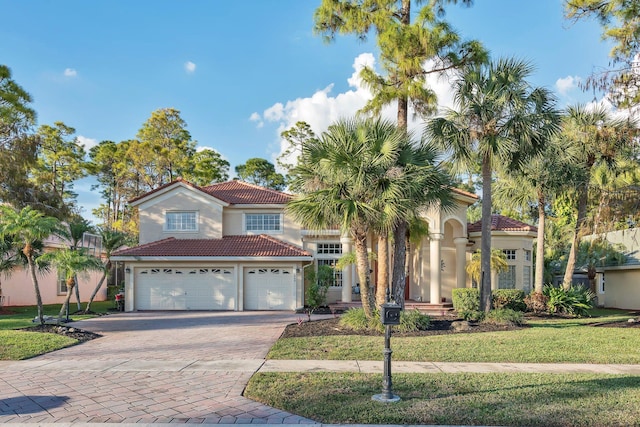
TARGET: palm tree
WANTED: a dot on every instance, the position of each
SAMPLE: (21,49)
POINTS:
(535,184)
(70,262)
(342,178)
(500,119)
(8,261)
(599,139)
(26,227)
(498,263)
(112,240)
(78,226)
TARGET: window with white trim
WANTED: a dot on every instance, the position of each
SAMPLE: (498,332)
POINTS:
(181,221)
(526,279)
(62,283)
(507,279)
(527,255)
(510,254)
(329,248)
(268,223)
(337,274)
(328,253)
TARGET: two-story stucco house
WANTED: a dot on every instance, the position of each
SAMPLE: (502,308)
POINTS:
(232,246)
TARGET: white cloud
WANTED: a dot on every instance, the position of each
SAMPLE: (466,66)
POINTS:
(323,107)
(567,84)
(87,143)
(189,67)
(70,72)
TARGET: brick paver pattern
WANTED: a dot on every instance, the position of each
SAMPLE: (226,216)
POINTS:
(78,390)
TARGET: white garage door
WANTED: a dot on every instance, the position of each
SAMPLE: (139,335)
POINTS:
(201,288)
(269,289)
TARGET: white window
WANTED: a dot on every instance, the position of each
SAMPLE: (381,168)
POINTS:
(526,279)
(62,283)
(510,254)
(337,274)
(181,221)
(329,248)
(527,255)
(507,279)
(269,223)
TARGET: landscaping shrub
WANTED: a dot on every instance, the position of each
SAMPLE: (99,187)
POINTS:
(472,315)
(576,300)
(465,299)
(410,321)
(536,302)
(509,298)
(317,287)
(504,316)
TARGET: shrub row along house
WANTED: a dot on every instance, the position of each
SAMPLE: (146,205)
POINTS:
(232,246)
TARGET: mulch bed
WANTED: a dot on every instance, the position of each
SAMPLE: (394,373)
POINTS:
(438,326)
(67,331)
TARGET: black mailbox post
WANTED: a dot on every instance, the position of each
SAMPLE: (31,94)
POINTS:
(390,315)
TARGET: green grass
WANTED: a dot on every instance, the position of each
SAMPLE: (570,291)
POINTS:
(546,341)
(488,399)
(19,344)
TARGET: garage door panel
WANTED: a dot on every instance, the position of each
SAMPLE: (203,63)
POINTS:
(194,288)
(269,288)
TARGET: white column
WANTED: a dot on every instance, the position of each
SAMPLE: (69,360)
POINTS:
(461,261)
(346,272)
(434,266)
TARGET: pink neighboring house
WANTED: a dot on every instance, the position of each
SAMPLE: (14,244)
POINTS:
(17,289)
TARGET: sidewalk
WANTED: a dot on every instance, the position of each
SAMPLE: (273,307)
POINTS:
(361,366)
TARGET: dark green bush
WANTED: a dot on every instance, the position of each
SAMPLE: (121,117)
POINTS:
(410,321)
(509,298)
(575,300)
(317,287)
(472,315)
(504,316)
(466,299)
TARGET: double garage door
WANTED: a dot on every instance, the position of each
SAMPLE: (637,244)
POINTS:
(207,288)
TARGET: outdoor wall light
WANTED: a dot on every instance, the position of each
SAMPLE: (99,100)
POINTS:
(127,270)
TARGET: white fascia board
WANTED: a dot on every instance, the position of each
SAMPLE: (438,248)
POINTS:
(177,188)
(501,233)
(321,232)
(209,258)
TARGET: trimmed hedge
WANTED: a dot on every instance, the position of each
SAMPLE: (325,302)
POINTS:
(512,299)
(465,299)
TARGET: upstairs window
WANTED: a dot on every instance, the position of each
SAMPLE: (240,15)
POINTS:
(181,221)
(263,223)
(510,254)
(329,248)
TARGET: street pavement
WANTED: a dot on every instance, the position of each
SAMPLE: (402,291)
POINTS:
(186,367)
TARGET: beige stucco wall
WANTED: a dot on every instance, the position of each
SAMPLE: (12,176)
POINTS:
(233,222)
(520,242)
(622,289)
(18,288)
(152,215)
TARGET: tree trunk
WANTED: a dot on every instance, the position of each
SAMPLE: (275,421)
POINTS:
(382,282)
(77,291)
(398,279)
(362,263)
(107,268)
(70,285)
(485,255)
(539,282)
(34,280)
(582,214)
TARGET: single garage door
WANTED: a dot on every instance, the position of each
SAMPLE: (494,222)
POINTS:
(269,289)
(201,288)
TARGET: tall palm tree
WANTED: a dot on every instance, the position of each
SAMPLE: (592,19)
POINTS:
(598,138)
(8,261)
(499,119)
(535,184)
(342,178)
(27,226)
(70,262)
(78,226)
(112,240)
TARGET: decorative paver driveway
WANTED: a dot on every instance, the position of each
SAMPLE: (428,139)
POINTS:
(149,367)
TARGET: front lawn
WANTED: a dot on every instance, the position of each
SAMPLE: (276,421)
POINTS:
(469,399)
(18,344)
(545,341)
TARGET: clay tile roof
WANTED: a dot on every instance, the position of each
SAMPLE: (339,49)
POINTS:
(502,223)
(242,193)
(229,246)
(464,193)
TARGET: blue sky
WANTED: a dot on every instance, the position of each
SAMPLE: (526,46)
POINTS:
(242,71)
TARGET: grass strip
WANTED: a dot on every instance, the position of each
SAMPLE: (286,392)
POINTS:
(19,345)
(550,400)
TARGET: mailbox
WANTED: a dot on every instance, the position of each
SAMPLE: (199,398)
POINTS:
(390,313)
